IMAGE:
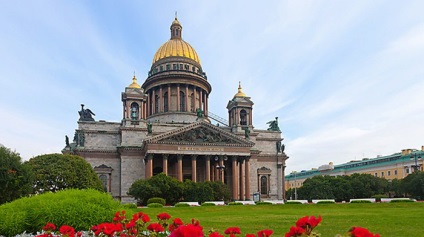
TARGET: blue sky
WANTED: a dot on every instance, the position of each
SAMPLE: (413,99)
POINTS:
(345,78)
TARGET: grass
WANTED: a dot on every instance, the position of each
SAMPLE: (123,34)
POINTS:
(387,219)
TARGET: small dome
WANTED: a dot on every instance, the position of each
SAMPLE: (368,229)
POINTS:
(176,46)
(240,92)
(134,83)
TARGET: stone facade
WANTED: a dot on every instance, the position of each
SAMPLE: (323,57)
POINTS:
(166,127)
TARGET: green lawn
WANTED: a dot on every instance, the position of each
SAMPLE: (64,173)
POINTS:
(387,219)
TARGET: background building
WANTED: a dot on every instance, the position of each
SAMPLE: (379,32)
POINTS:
(166,127)
(395,166)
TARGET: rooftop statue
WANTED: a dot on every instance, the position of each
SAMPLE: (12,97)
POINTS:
(273,125)
(199,113)
(85,114)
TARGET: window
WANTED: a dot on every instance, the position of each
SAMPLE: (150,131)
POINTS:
(104,180)
(161,68)
(395,172)
(168,67)
(375,174)
(157,104)
(407,170)
(193,69)
(192,109)
(134,111)
(182,101)
(186,67)
(388,173)
(382,174)
(264,185)
(165,102)
(243,117)
(174,66)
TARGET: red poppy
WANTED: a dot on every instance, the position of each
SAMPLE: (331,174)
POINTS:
(155,227)
(67,230)
(250,235)
(311,221)
(265,233)
(295,231)
(163,216)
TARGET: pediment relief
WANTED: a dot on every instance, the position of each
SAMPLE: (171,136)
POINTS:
(200,133)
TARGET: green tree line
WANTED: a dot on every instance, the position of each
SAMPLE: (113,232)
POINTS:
(344,188)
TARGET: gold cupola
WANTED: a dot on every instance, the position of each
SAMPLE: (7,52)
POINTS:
(240,92)
(176,46)
(134,83)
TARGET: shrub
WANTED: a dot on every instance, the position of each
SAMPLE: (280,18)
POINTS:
(326,202)
(293,202)
(197,192)
(160,185)
(182,205)
(205,204)
(78,208)
(378,197)
(360,201)
(235,204)
(156,200)
(54,172)
(154,205)
(263,203)
(402,200)
(129,205)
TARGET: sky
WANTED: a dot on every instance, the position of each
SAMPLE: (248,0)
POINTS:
(344,78)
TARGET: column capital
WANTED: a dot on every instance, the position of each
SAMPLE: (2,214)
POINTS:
(165,156)
(194,157)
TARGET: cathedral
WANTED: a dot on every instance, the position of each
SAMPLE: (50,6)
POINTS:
(166,127)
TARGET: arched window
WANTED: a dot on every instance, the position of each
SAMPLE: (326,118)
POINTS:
(192,98)
(243,117)
(264,185)
(105,182)
(157,104)
(182,102)
(165,102)
(134,111)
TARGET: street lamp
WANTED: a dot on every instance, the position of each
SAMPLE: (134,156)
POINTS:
(221,167)
(416,157)
(295,185)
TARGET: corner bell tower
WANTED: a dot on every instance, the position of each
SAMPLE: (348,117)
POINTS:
(134,103)
(240,112)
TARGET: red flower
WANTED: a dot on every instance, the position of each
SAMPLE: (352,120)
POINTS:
(189,230)
(163,216)
(361,232)
(155,227)
(118,217)
(216,234)
(265,233)
(79,234)
(67,230)
(250,235)
(232,230)
(175,223)
(130,225)
(49,227)
(144,217)
(311,221)
(295,231)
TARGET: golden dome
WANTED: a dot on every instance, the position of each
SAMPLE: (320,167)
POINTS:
(240,92)
(134,83)
(176,46)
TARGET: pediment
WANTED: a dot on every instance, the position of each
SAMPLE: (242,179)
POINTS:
(200,133)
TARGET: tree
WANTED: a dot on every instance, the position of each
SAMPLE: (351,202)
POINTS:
(159,185)
(413,184)
(197,192)
(54,172)
(15,177)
